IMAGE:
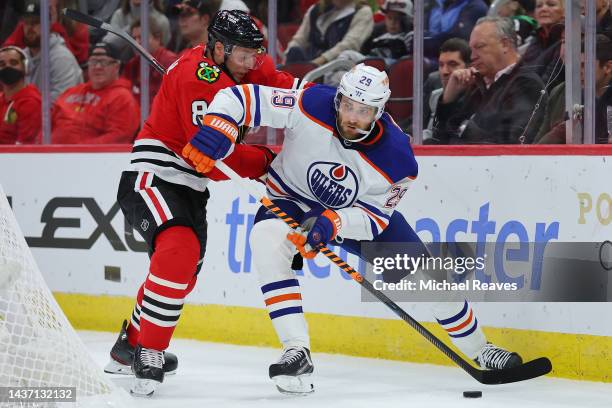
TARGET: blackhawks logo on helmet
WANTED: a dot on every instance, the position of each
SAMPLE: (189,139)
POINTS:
(208,73)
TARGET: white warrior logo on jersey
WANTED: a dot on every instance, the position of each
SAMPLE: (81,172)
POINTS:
(333,184)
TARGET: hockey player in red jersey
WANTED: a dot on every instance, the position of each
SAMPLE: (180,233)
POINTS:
(164,197)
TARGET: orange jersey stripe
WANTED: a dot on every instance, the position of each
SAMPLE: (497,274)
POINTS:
(380,222)
(247,103)
(377,137)
(462,325)
(275,187)
(382,173)
(315,120)
(282,298)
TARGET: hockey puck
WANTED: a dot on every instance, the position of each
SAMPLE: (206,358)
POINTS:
(472,394)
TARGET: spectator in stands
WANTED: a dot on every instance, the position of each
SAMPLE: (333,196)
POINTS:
(75,35)
(19,103)
(604,17)
(63,67)
(521,12)
(194,17)
(454,55)
(543,52)
(550,16)
(328,28)
(390,39)
(500,93)
(451,19)
(553,125)
(130,12)
(102,110)
(165,57)
(511,8)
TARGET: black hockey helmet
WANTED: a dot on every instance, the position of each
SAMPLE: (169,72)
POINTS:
(234,27)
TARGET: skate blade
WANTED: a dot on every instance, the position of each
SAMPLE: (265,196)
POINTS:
(290,385)
(115,367)
(143,387)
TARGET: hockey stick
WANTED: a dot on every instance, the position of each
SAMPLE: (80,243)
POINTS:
(526,371)
(531,369)
(94,22)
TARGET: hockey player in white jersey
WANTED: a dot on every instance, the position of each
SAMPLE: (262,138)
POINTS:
(343,168)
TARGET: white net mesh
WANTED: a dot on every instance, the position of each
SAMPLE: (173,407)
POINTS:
(38,347)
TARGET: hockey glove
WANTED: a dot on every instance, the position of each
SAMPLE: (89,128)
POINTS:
(269,157)
(212,142)
(321,230)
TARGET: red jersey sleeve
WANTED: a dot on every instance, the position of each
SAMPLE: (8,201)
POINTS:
(267,75)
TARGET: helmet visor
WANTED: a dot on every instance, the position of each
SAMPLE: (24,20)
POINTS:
(248,58)
(356,112)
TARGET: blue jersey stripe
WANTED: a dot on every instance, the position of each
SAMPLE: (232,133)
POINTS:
(279,285)
(286,311)
(257,106)
(456,317)
(239,96)
(374,227)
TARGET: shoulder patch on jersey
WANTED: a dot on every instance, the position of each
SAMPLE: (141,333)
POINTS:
(317,103)
(392,155)
(208,73)
(282,98)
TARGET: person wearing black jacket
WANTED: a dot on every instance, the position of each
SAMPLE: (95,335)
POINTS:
(500,93)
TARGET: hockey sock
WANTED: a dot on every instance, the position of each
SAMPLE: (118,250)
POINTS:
(272,256)
(171,277)
(461,324)
(133,329)
(284,303)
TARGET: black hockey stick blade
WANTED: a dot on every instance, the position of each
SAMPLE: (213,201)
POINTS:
(94,22)
(531,369)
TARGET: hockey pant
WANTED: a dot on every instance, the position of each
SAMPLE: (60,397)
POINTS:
(172,220)
(273,254)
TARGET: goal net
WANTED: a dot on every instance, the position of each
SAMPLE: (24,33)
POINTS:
(38,346)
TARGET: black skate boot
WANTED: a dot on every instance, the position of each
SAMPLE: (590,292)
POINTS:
(292,372)
(496,358)
(147,368)
(122,356)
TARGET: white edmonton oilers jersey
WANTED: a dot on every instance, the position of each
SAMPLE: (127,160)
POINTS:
(361,181)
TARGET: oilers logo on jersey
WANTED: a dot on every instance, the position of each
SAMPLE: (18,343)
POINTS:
(334,185)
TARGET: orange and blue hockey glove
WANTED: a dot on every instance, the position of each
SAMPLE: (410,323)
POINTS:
(211,142)
(321,229)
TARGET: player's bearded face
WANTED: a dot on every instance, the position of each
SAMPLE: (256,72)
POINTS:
(354,116)
(241,60)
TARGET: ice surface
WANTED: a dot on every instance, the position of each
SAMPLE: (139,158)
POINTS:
(227,376)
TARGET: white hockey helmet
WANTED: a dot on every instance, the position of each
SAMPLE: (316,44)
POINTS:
(366,85)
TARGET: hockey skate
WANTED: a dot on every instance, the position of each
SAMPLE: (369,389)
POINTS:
(292,373)
(496,358)
(122,356)
(147,368)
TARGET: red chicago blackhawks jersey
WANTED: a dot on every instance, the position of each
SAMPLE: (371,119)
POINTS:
(186,91)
